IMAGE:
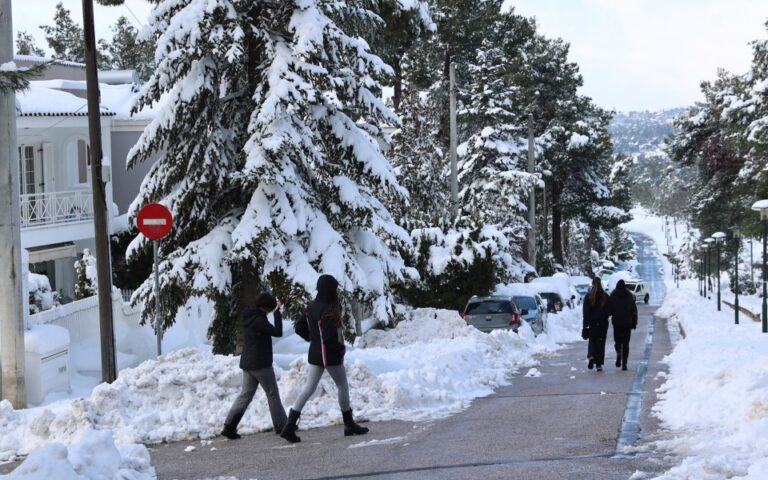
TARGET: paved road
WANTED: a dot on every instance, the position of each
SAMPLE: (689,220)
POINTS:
(566,424)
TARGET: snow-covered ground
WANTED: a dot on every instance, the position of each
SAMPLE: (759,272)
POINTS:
(430,366)
(714,402)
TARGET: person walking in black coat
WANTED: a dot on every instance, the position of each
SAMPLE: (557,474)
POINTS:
(256,363)
(595,322)
(326,352)
(623,312)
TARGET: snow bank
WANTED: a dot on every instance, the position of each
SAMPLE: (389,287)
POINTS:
(430,366)
(715,399)
(92,455)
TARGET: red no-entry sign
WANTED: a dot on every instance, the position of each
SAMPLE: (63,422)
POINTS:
(154,221)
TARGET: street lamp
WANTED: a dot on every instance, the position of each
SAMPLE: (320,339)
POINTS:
(762,207)
(737,237)
(708,266)
(701,270)
(719,237)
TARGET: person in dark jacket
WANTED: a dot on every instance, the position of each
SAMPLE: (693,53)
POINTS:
(256,363)
(595,321)
(323,330)
(623,312)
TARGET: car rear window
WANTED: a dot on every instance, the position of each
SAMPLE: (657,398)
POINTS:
(527,303)
(551,297)
(489,306)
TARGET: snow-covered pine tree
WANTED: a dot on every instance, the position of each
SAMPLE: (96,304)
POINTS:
(85,269)
(271,156)
(126,52)
(494,184)
(419,162)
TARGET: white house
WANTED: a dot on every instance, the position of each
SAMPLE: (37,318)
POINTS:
(54,159)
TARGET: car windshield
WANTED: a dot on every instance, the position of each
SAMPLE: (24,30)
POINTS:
(633,287)
(526,303)
(489,306)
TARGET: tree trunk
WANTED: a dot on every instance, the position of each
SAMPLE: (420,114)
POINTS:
(567,241)
(398,94)
(557,218)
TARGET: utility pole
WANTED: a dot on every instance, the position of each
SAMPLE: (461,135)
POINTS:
(100,223)
(11,301)
(454,143)
(531,199)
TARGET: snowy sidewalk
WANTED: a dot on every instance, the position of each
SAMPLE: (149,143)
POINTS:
(558,420)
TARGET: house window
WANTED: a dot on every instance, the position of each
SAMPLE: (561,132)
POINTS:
(83,161)
(30,171)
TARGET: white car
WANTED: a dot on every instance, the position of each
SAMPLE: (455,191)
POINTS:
(639,289)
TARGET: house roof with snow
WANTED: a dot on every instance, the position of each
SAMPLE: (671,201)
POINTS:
(40,101)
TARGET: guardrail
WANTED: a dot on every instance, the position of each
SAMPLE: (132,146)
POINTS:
(49,208)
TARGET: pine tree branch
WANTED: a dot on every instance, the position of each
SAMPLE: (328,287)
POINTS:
(13,79)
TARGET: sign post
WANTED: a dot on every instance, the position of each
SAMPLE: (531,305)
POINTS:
(155,222)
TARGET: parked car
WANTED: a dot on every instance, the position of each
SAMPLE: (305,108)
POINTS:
(558,284)
(582,284)
(492,313)
(639,289)
(554,301)
(532,313)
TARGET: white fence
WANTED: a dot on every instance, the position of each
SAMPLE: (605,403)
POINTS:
(133,343)
(56,207)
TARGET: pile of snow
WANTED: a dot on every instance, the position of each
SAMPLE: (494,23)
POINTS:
(92,454)
(715,398)
(429,366)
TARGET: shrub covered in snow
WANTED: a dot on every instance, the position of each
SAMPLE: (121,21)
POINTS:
(85,269)
(40,295)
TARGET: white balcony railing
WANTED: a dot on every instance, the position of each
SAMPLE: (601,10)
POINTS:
(55,207)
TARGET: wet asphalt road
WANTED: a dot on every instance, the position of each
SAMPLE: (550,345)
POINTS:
(565,424)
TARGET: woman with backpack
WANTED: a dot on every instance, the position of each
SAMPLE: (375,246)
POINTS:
(256,363)
(595,324)
(624,319)
(323,330)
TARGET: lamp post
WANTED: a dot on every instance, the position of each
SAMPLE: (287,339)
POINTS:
(762,207)
(737,238)
(701,270)
(719,238)
(708,267)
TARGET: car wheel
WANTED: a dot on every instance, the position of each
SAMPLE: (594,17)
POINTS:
(647,298)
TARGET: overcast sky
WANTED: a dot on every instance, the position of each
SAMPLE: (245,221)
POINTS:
(651,54)
(634,54)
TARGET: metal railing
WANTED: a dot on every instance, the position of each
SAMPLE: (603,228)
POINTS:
(55,207)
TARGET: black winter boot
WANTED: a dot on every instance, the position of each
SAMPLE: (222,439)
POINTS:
(289,431)
(230,432)
(350,427)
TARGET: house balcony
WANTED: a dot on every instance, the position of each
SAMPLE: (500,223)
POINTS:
(54,217)
(50,208)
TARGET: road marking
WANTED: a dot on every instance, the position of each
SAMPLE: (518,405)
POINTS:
(630,424)
(461,465)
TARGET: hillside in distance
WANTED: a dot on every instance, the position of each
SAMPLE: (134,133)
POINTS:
(642,132)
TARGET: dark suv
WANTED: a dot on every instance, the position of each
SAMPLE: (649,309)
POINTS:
(492,313)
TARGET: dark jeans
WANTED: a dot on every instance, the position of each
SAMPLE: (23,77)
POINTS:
(621,337)
(251,380)
(596,347)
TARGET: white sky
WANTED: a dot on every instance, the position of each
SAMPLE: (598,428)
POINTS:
(651,54)
(28,15)
(634,54)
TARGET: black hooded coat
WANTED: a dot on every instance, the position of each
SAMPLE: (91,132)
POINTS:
(326,342)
